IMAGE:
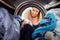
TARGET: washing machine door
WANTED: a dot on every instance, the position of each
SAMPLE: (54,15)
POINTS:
(48,3)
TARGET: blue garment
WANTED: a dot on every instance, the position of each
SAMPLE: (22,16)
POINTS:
(9,26)
(49,26)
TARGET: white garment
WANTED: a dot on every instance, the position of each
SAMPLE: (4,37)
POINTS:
(56,12)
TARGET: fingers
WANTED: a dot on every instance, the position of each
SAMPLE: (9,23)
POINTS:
(25,22)
(28,22)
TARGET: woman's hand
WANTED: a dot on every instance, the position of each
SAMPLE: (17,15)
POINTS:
(25,21)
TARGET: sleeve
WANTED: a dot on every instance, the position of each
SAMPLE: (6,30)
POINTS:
(2,28)
(8,26)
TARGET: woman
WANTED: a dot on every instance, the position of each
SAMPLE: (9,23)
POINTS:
(27,29)
(31,19)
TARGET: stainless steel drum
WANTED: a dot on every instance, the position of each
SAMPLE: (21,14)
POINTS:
(21,7)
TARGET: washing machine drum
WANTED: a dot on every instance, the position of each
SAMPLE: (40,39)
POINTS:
(21,7)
